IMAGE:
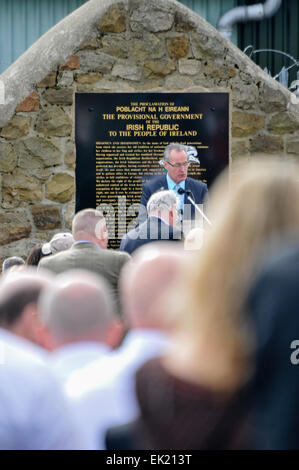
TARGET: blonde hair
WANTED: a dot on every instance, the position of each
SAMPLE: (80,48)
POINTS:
(262,200)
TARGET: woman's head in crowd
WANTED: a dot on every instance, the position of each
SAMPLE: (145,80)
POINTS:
(35,255)
(59,242)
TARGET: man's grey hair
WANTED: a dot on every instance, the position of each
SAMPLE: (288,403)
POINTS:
(12,261)
(86,221)
(162,201)
(78,303)
(173,146)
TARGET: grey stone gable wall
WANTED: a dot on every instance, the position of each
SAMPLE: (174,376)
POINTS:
(107,46)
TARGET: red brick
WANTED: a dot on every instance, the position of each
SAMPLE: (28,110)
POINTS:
(72,64)
(31,103)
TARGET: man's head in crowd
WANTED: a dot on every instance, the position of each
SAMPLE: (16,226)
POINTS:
(79,307)
(8,263)
(164,204)
(176,162)
(90,224)
(146,281)
(19,294)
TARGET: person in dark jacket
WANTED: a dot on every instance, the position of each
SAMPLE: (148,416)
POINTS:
(162,209)
(274,306)
(176,162)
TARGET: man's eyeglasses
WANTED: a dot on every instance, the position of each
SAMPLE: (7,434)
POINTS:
(179,165)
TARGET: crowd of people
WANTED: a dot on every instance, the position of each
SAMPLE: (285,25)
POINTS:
(160,345)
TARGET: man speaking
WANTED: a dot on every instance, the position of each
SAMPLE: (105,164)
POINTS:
(176,162)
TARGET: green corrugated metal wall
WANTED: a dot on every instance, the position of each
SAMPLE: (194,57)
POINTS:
(22,22)
(211,10)
(279,32)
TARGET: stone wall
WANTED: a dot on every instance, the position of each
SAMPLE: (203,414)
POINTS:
(133,45)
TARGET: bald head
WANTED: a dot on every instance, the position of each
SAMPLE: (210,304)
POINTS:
(146,281)
(77,307)
(90,224)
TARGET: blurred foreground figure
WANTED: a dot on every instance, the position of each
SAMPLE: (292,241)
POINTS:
(193,397)
(80,323)
(103,393)
(33,411)
(274,303)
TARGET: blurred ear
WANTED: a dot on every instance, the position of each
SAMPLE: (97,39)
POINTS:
(103,236)
(115,333)
(42,333)
(104,232)
(44,338)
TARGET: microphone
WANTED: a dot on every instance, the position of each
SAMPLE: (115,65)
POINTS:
(188,194)
(183,191)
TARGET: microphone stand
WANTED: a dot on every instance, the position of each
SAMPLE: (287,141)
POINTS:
(188,194)
(198,209)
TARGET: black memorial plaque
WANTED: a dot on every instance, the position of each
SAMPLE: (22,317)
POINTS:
(120,138)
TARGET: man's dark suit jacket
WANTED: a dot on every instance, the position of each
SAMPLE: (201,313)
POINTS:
(273,307)
(198,190)
(89,256)
(153,229)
